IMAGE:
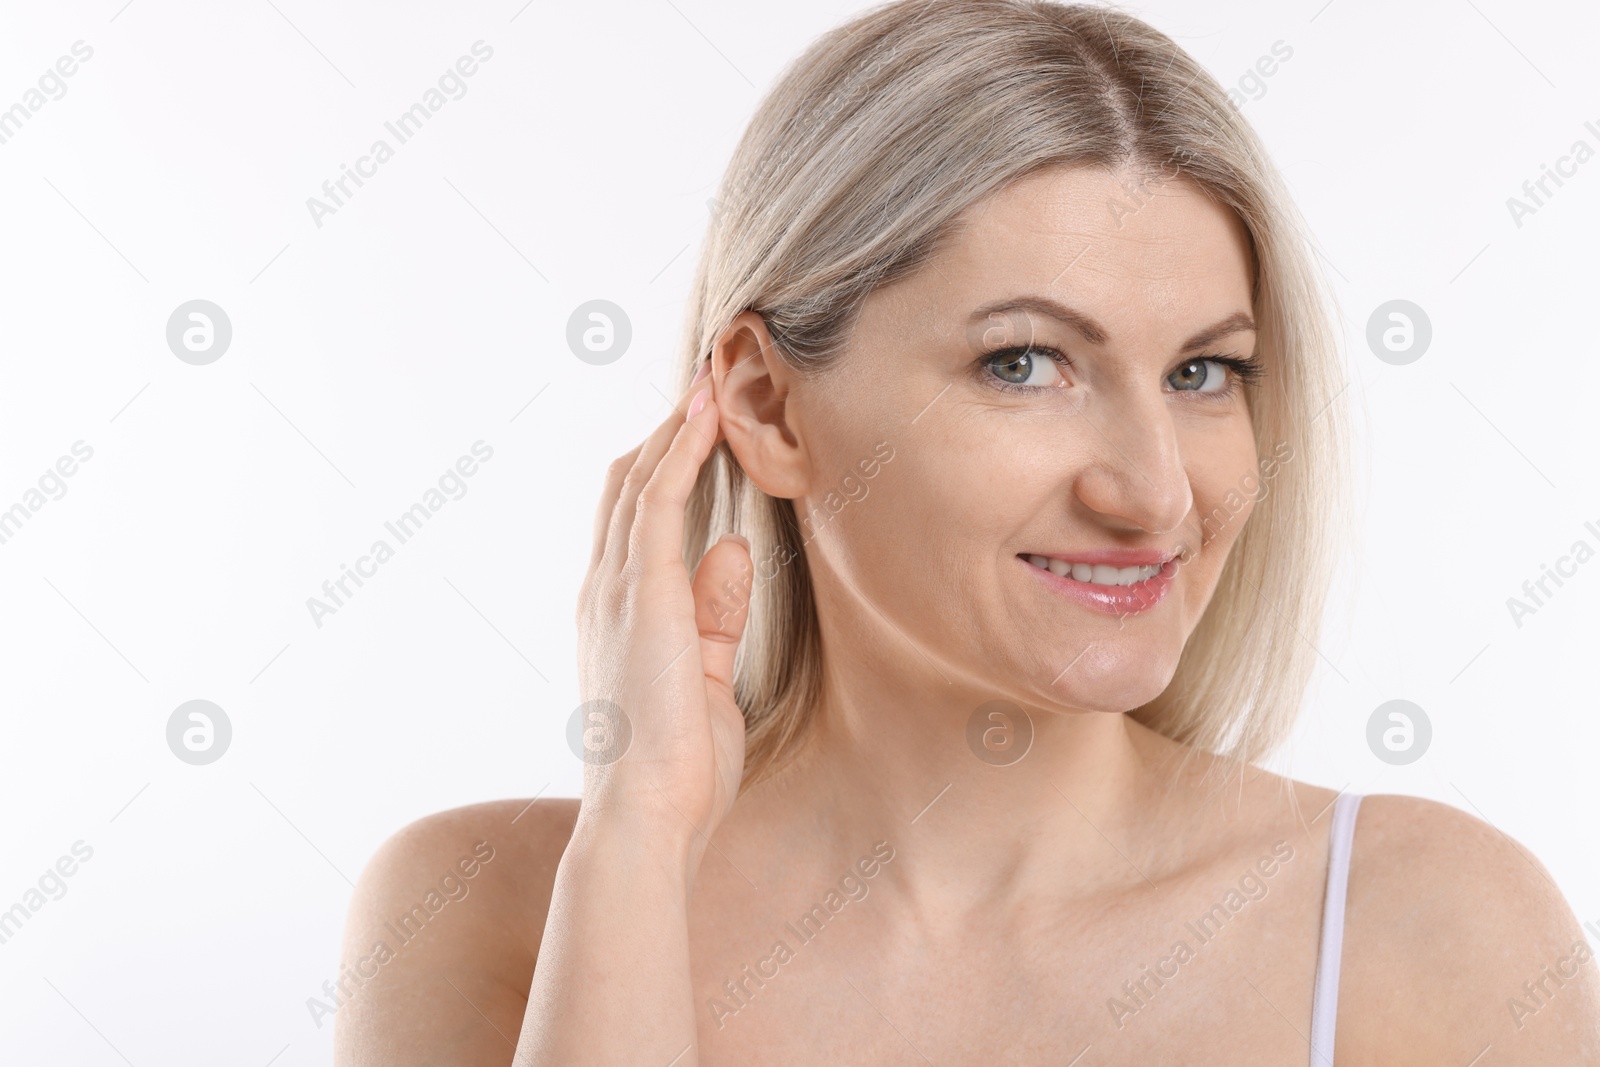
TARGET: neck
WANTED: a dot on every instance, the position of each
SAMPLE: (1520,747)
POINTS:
(893,755)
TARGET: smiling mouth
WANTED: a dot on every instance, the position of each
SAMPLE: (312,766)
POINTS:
(1094,573)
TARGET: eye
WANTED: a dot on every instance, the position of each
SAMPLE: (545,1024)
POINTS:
(1025,368)
(1200,376)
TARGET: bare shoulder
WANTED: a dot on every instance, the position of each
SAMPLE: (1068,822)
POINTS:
(1457,940)
(442,933)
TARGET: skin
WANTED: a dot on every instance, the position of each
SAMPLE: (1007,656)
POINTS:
(1018,899)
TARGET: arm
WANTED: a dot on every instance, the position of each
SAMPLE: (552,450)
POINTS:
(607,882)
(613,982)
(1460,945)
(452,988)
(428,974)
(612,985)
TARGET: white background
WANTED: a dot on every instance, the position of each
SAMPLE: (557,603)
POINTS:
(426,314)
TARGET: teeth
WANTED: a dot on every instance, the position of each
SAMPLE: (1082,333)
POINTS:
(1098,574)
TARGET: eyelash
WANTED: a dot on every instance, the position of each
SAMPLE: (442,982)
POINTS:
(1243,370)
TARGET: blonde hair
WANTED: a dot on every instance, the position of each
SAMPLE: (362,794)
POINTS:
(849,177)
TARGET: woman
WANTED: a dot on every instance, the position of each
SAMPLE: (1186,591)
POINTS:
(920,719)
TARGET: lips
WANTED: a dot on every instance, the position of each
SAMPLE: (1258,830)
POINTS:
(1116,589)
(1095,573)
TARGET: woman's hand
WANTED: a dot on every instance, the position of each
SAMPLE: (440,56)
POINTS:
(659,646)
(664,751)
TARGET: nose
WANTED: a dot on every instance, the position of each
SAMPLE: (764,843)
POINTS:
(1135,476)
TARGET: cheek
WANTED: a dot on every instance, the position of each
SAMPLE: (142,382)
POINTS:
(1226,490)
(926,528)
(946,488)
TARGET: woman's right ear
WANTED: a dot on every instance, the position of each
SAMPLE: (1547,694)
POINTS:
(759,407)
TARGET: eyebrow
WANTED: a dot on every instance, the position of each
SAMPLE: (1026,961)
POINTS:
(1096,334)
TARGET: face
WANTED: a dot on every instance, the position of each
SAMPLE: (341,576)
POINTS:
(1054,386)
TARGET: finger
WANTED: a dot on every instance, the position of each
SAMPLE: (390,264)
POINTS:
(656,536)
(644,467)
(722,586)
(608,502)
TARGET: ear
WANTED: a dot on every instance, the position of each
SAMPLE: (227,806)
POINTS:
(751,385)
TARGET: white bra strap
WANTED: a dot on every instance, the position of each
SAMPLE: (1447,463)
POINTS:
(1325,997)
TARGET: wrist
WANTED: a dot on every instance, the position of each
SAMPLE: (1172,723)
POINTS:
(641,838)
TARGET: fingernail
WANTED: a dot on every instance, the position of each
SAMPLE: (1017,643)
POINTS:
(698,402)
(705,368)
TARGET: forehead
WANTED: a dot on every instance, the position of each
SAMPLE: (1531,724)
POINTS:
(1147,255)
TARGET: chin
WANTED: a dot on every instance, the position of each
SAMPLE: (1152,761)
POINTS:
(1114,683)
